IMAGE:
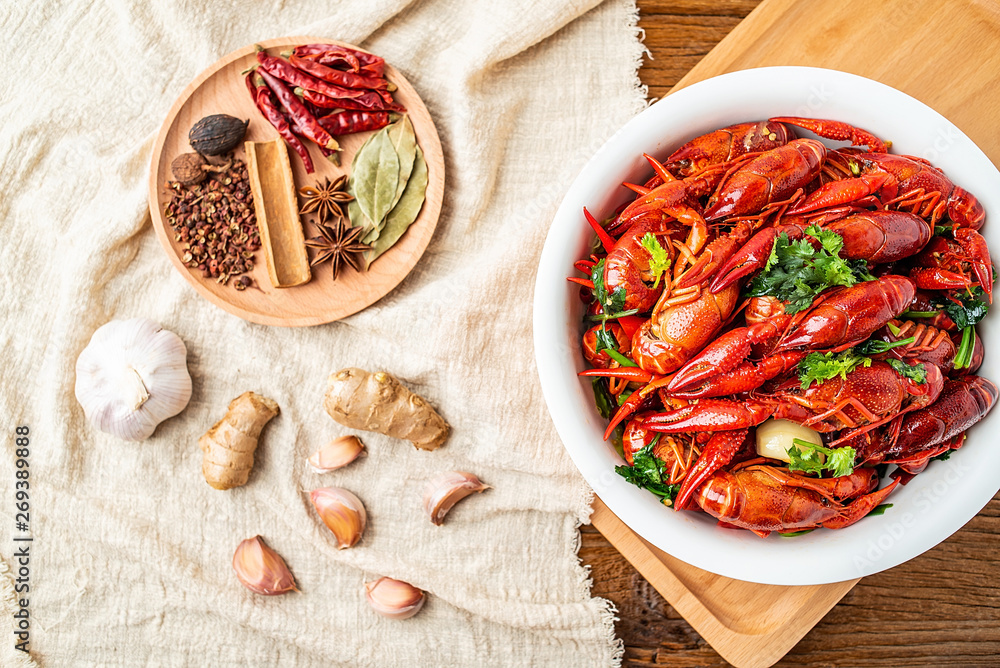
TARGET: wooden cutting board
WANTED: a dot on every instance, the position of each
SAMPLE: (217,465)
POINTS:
(945,54)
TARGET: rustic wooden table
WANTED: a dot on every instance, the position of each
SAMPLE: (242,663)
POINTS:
(942,608)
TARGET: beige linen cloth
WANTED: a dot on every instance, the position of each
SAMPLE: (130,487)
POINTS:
(130,563)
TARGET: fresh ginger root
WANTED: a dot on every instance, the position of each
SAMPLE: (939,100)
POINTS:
(229,445)
(378,402)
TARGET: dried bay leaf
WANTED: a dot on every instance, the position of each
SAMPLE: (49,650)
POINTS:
(405,212)
(405,142)
(375,176)
(372,234)
(358,218)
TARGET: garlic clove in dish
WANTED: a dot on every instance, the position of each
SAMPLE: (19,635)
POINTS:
(394,599)
(132,376)
(775,437)
(342,513)
(262,570)
(337,453)
(446,489)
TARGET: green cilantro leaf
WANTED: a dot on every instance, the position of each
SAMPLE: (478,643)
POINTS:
(841,461)
(819,367)
(772,259)
(838,460)
(879,510)
(659,261)
(610,303)
(792,534)
(648,472)
(860,269)
(605,340)
(916,373)
(831,241)
(796,272)
(967,309)
(808,459)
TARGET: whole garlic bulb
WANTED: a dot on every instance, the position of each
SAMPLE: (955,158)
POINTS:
(132,376)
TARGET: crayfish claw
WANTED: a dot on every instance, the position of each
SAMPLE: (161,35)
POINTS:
(711,415)
(752,257)
(837,130)
(860,507)
(718,452)
(630,406)
(658,167)
(978,253)
(720,356)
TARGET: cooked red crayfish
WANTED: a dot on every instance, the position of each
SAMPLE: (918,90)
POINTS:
(849,331)
(767,498)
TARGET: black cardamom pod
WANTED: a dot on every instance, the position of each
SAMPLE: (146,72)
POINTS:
(217,134)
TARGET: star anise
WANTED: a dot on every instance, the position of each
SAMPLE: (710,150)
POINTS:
(339,244)
(326,199)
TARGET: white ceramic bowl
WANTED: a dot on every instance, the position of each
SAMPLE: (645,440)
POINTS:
(927,510)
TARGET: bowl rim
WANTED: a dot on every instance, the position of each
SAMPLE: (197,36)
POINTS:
(873,545)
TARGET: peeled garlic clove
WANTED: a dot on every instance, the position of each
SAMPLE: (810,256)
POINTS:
(261,569)
(445,490)
(394,599)
(132,376)
(335,454)
(776,437)
(342,513)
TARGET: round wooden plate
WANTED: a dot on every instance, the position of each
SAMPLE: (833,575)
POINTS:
(221,90)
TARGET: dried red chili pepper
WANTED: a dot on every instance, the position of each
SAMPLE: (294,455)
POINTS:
(305,122)
(332,56)
(385,95)
(331,155)
(347,79)
(372,65)
(265,103)
(340,93)
(283,70)
(349,122)
(367,102)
